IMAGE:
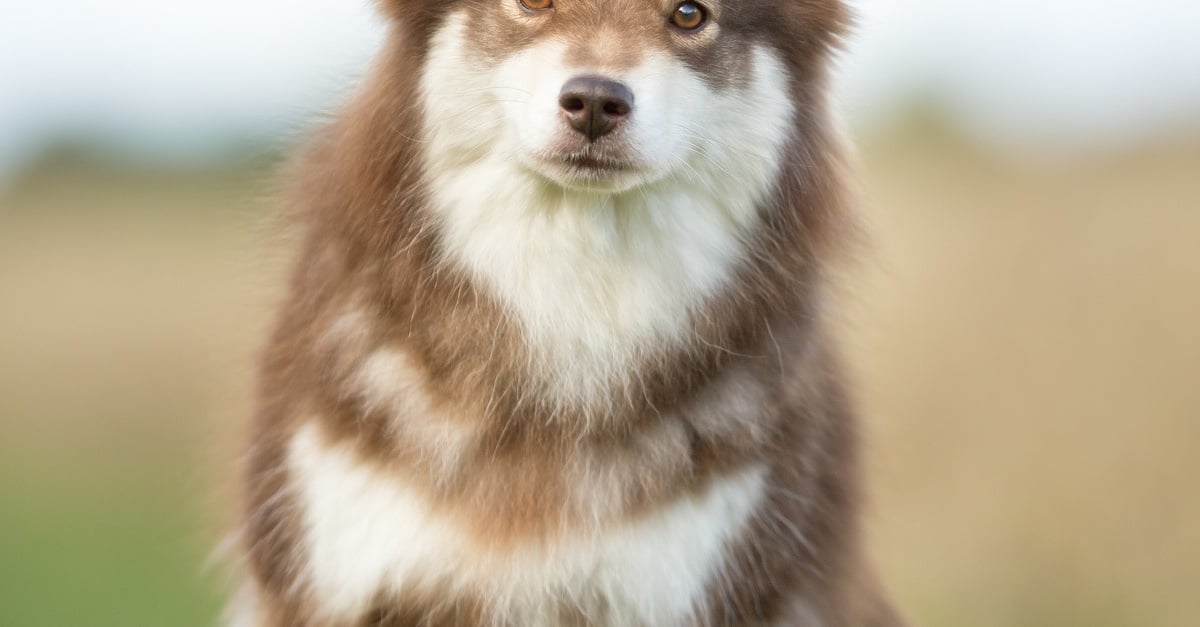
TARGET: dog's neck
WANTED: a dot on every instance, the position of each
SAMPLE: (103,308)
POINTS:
(597,281)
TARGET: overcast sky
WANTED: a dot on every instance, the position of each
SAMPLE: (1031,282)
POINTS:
(188,76)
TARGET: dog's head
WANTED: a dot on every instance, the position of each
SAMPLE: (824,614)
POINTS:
(611,95)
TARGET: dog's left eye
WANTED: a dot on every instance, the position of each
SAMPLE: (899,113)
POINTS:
(536,5)
(689,16)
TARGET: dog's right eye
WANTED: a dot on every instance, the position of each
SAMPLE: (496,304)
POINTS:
(536,6)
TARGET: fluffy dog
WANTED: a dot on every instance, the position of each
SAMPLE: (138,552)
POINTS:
(556,350)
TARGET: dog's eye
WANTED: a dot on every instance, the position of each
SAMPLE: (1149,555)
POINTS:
(537,6)
(689,16)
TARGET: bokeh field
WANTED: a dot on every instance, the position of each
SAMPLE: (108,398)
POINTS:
(1025,332)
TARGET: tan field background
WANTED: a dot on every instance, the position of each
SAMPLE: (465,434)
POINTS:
(1025,332)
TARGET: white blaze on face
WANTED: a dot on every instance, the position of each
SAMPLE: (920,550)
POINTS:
(598,279)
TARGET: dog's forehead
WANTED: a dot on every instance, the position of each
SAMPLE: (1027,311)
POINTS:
(654,10)
(614,6)
(759,17)
(416,10)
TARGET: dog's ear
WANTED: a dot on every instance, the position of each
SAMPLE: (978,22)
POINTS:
(394,8)
(410,9)
(415,20)
(823,26)
(415,15)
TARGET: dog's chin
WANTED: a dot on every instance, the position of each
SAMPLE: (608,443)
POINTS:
(582,171)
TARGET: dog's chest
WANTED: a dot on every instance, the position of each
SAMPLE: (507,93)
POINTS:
(367,536)
(596,283)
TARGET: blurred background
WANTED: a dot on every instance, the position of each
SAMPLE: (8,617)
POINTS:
(1025,325)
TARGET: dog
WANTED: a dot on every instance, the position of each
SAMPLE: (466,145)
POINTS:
(556,349)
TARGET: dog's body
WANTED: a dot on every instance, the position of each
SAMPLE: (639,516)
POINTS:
(555,353)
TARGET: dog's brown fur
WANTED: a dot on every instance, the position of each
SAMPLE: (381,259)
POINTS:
(759,383)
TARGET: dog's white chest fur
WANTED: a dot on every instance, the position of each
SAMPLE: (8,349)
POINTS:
(366,534)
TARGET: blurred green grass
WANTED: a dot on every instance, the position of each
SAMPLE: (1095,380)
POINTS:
(100,550)
(129,319)
(1024,332)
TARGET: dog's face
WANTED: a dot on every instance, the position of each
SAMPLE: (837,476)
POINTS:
(609,95)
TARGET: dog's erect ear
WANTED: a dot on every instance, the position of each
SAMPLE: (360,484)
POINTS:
(416,20)
(395,8)
(409,9)
(416,15)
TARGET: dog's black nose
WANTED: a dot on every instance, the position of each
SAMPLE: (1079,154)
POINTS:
(594,105)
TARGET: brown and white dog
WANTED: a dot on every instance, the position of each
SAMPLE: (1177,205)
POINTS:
(556,349)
